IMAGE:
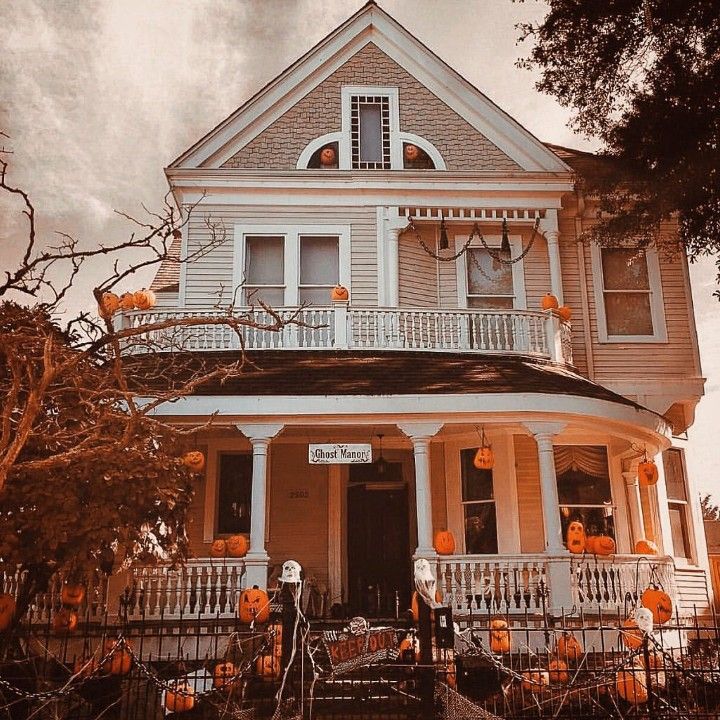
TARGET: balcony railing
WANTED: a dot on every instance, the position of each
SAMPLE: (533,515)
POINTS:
(521,332)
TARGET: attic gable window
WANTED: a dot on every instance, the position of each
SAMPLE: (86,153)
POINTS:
(370,132)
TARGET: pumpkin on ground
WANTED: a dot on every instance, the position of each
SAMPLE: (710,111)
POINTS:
(631,685)
(414,608)
(339,294)
(268,666)
(484,458)
(558,671)
(647,473)
(7,611)
(254,605)
(218,549)
(575,538)
(568,646)
(549,302)
(224,675)
(72,595)
(535,680)
(180,697)
(65,621)
(444,542)
(646,547)
(659,603)
(237,546)
(120,660)
(499,636)
(194,460)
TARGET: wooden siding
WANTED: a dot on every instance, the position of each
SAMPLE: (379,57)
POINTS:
(418,271)
(527,471)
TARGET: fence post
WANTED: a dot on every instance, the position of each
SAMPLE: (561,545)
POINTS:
(426,671)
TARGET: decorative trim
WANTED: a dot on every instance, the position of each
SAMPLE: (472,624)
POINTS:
(432,152)
(314,145)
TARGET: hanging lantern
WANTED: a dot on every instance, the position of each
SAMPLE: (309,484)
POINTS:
(505,242)
(484,457)
(443,243)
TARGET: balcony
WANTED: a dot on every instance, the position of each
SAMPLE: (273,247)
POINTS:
(519,332)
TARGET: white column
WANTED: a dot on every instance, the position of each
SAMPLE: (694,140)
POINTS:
(393,265)
(256,561)
(420,434)
(550,230)
(634,506)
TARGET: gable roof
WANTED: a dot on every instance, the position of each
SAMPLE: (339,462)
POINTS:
(370,24)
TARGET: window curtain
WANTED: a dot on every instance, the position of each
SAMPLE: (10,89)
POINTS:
(592,460)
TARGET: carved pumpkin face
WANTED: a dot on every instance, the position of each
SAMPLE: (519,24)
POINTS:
(268,666)
(127,301)
(575,537)
(339,294)
(631,685)
(181,698)
(276,631)
(109,304)
(499,636)
(603,545)
(411,152)
(328,156)
(646,547)
(144,299)
(647,473)
(558,671)
(194,460)
(237,546)
(444,542)
(120,661)
(535,681)
(65,621)
(549,302)
(218,549)
(484,458)
(72,595)
(224,675)
(254,605)
(568,646)
(659,603)
(7,611)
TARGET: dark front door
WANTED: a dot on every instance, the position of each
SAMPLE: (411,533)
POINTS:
(378,549)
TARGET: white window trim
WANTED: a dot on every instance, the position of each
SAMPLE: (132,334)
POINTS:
(291,234)
(687,511)
(347,93)
(518,268)
(315,145)
(657,308)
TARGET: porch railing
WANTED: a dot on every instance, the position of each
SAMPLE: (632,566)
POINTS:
(340,327)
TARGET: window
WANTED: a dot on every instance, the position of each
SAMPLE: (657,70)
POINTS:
(319,269)
(584,492)
(489,281)
(265,270)
(478,502)
(628,294)
(234,491)
(370,132)
(675,482)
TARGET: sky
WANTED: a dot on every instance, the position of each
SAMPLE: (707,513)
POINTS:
(99,96)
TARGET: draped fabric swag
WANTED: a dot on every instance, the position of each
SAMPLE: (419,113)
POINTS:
(590,459)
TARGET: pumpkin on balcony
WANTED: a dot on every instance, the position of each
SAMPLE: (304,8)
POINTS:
(7,611)
(444,542)
(647,473)
(575,538)
(484,458)
(339,294)
(237,546)
(659,603)
(144,299)
(127,301)
(194,461)
(72,595)
(499,636)
(119,661)
(218,549)
(565,313)
(535,680)
(631,684)
(65,621)
(568,646)
(558,671)
(414,608)
(549,302)
(646,547)
(109,304)
(600,545)
(224,675)
(180,697)
(254,605)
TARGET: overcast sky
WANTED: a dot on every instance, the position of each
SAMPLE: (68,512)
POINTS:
(99,96)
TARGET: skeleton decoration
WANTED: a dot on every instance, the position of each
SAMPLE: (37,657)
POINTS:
(644,619)
(291,573)
(358,626)
(425,582)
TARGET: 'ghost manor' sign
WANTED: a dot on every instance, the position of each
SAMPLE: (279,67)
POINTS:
(339,454)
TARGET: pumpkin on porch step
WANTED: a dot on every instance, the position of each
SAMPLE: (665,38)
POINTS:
(499,636)
(254,605)
(647,473)
(237,546)
(575,538)
(659,603)
(444,542)
(7,611)
(646,547)
(119,661)
(569,647)
(180,697)
(414,608)
(268,666)
(558,671)
(631,684)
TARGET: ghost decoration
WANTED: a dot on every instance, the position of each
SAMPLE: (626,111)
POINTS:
(291,573)
(425,583)
(644,619)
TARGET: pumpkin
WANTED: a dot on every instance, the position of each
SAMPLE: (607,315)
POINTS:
(194,460)
(72,595)
(565,313)
(84,666)
(218,549)
(181,698)
(535,680)
(275,633)
(65,621)
(631,685)
(120,660)
(499,636)
(127,301)
(268,666)
(144,299)
(568,646)
(659,603)
(484,458)
(328,156)
(558,671)
(600,545)
(414,609)
(7,611)
(411,152)
(237,546)
(109,304)
(575,538)
(339,294)
(646,547)
(631,635)
(409,648)
(224,675)
(254,605)
(549,302)
(647,473)
(444,542)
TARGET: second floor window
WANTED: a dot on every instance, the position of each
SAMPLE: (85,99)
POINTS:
(265,270)
(370,132)
(489,281)
(674,467)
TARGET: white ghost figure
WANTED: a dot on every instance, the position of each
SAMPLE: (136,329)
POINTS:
(644,619)
(425,582)
(291,572)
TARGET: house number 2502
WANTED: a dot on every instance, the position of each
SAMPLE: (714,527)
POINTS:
(299,494)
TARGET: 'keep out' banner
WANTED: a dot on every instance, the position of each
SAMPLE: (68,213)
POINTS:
(348,652)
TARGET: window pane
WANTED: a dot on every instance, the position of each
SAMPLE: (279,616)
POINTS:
(476,484)
(625,269)
(678,525)
(674,474)
(582,475)
(480,528)
(488,276)
(491,303)
(274,297)
(628,314)
(319,263)
(235,485)
(314,296)
(264,261)
(370,133)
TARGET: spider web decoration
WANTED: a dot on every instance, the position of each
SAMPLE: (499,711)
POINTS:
(454,706)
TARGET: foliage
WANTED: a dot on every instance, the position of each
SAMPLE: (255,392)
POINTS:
(643,76)
(710,511)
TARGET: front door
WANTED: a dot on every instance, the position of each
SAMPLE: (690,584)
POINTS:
(378,549)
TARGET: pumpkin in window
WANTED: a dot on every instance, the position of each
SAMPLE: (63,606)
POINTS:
(254,605)
(499,636)
(659,603)
(328,157)
(339,294)
(72,595)
(237,546)
(568,646)
(646,547)
(444,542)
(631,684)
(484,458)
(647,473)
(549,302)
(180,697)
(194,460)
(7,611)
(218,549)
(411,153)
(575,538)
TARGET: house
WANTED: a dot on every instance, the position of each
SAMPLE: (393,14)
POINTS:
(371,164)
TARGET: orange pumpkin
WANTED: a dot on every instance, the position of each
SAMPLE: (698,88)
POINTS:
(558,671)
(276,631)
(414,609)
(268,666)
(549,302)
(568,646)
(484,458)
(575,538)
(120,660)
(499,636)
(631,634)
(224,675)
(600,545)
(647,473)
(565,313)
(65,621)
(237,546)
(631,685)
(409,648)
(411,152)
(72,595)
(646,547)
(7,611)
(127,301)
(109,304)
(254,605)
(180,697)
(444,542)
(659,603)
(218,549)
(328,156)
(194,460)
(535,680)
(144,299)
(339,294)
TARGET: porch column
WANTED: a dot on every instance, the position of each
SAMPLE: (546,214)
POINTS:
(634,506)
(549,227)
(420,434)
(256,561)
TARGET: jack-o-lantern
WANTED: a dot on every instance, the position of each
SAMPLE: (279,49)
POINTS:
(484,458)
(499,636)
(144,299)
(575,538)
(65,621)
(72,595)
(565,313)
(109,304)
(339,294)
(631,685)
(194,460)
(409,648)
(569,647)
(647,473)
(535,680)
(237,546)
(630,634)
(558,671)
(127,301)
(600,545)
(7,611)
(659,603)
(646,547)
(414,607)
(275,634)
(224,675)
(268,666)
(328,156)
(180,697)
(254,605)
(549,302)
(444,542)
(218,549)
(119,661)
(411,152)
(84,666)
